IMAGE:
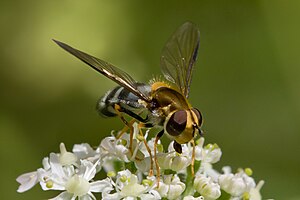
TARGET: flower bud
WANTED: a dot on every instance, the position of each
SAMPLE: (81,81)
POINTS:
(179,163)
(65,157)
(171,187)
(207,188)
(233,185)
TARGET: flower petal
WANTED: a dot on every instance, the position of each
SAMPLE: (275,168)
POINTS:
(107,196)
(46,164)
(100,186)
(148,197)
(84,151)
(88,169)
(86,197)
(27,181)
(63,196)
(56,167)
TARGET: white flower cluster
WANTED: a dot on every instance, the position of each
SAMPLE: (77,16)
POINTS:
(127,173)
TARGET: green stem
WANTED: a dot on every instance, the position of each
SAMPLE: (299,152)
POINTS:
(189,190)
(189,182)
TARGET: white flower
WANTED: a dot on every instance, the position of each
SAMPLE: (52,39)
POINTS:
(208,170)
(110,146)
(55,174)
(74,183)
(207,188)
(116,151)
(143,165)
(236,184)
(85,151)
(127,186)
(173,160)
(171,187)
(73,172)
(179,163)
(132,188)
(28,180)
(211,153)
(255,192)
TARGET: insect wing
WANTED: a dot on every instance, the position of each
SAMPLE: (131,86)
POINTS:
(107,69)
(179,56)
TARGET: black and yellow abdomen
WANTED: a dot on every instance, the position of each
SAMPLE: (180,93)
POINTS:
(121,96)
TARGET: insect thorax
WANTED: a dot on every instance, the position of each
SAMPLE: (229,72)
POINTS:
(168,99)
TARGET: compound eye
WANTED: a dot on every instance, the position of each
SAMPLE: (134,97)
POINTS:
(177,123)
(199,116)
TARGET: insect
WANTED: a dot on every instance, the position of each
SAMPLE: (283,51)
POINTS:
(159,103)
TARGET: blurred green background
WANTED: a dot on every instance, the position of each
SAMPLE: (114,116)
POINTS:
(246,81)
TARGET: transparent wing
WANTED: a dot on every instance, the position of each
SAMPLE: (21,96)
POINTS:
(179,56)
(107,69)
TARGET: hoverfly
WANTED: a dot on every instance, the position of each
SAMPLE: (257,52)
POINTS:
(162,103)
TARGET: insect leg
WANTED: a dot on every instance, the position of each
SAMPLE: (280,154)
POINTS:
(132,114)
(177,147)
(158,136)
(118,111)
(148,148)
(129,125)
(123,131)
(193,157)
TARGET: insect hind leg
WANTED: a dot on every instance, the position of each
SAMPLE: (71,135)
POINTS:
(119,110)
(129,125)
(141,125)
(158,136)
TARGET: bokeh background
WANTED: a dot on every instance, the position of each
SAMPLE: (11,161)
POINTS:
(246,81)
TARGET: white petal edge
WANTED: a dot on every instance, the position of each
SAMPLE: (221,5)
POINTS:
(100,186)
(27,181)
(63,196)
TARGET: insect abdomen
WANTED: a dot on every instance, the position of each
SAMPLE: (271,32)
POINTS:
(105,105)
(122,97)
